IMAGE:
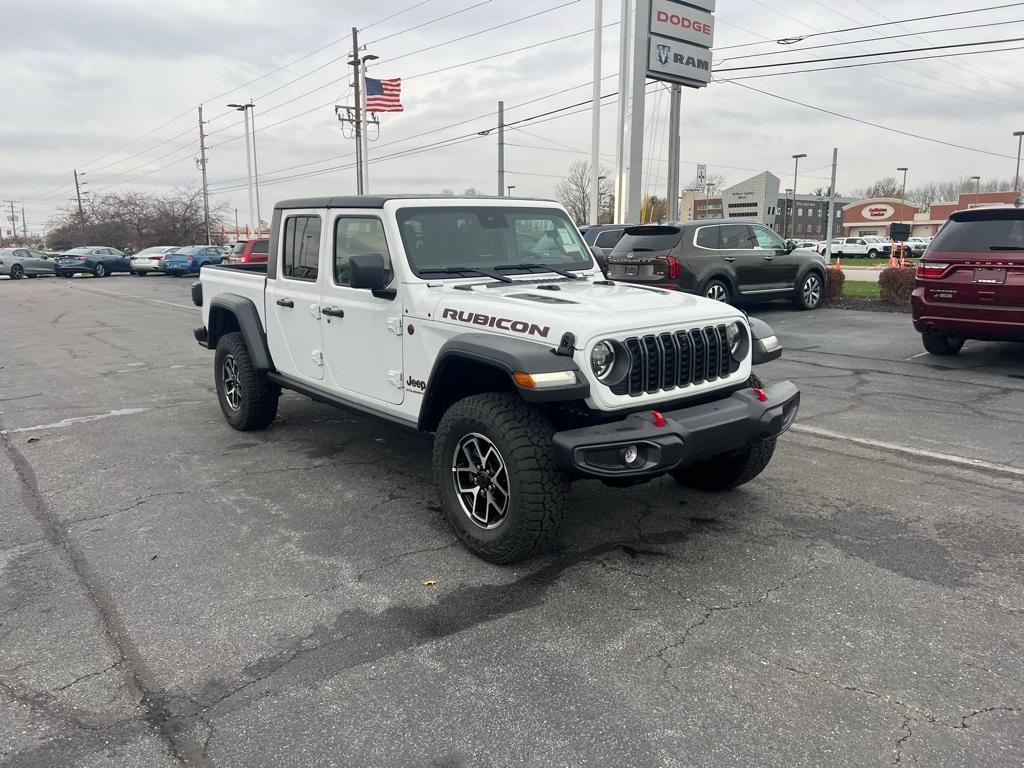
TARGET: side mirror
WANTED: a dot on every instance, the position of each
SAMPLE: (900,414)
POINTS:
(369,271)
(599,256)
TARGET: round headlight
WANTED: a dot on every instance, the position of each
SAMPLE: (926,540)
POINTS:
(735,335)
(602,359)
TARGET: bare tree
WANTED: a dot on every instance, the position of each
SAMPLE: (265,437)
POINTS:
(573,192)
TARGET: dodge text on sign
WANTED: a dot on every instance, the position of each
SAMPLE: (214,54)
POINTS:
(681,22)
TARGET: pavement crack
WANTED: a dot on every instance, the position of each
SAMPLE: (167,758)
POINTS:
(88,675)
(907,733)
(985,711)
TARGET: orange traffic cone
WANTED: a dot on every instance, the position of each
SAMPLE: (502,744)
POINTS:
(839,264)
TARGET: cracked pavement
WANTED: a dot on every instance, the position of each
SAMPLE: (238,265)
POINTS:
(173,592)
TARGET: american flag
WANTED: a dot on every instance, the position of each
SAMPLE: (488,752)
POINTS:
(384,95)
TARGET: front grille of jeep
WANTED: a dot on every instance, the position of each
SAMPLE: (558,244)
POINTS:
(674,360)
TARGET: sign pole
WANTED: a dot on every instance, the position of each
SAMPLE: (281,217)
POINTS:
(595,121)
(831,207)
(623,110)
(675,105)
(637,105)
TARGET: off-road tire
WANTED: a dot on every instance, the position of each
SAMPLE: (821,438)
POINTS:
(17,272)
(805,299)
(728,473)
(258,403)
(100,270)
(537,490)
(937,344)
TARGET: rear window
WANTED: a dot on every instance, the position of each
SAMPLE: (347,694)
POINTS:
(637,239)
(608,238)
(263,246)
(239,248)
(988,231)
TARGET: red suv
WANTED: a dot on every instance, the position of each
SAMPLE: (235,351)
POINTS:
(970,283)
(250,252)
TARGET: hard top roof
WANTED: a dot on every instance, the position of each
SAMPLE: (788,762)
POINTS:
(377,201)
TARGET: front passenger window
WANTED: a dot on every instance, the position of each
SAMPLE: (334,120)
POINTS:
(767,240)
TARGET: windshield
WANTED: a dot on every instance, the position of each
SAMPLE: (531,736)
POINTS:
(78,251)
(1001,230)
(440,238)
(154,249)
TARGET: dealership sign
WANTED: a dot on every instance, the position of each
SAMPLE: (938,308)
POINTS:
(877,212)
(679,41)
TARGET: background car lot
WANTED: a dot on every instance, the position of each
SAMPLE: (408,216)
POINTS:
(265,599)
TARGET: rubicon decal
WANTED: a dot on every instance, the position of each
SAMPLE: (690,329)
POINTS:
(502,323)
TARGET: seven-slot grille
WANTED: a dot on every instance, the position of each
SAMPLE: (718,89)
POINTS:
(665,361)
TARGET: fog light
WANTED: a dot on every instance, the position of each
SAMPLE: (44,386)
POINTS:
(631,454)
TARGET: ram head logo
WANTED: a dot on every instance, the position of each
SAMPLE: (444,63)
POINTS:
(664,52)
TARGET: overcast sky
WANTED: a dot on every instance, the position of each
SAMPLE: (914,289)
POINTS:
(82,79)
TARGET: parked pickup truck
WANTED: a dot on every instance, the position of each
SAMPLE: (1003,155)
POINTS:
(487,322)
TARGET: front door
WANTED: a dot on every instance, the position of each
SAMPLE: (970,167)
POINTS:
(294,328)
(362,341)
(781,264)
(739,251)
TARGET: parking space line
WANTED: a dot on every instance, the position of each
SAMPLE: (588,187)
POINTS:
(75,420)
(920,453)
(134,297)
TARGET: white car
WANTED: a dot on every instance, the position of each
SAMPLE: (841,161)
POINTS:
(487,322)
(150,259)
(871,246)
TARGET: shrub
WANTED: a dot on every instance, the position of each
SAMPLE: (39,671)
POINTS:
(895,284)
(834,279)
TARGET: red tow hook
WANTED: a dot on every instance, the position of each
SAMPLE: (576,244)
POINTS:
(762,396)
(659,418)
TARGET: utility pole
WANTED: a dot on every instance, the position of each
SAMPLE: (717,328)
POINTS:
(256,172)
(13,219)
(202,166)
(24,226)
(78,196)
(1016,175)
(792,216)
(358,75)
(903,192)
(831,207)
(595,120)
(501,149)
(675,105)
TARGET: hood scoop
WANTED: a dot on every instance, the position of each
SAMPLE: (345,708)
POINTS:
(540,299)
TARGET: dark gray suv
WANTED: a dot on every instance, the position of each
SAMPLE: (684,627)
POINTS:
(732,261)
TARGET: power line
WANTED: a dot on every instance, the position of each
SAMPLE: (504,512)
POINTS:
(869,123)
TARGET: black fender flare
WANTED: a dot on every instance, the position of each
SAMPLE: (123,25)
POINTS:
(247,317)
(506,355)
(762,348)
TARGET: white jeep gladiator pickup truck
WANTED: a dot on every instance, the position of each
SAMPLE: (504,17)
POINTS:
(487,322)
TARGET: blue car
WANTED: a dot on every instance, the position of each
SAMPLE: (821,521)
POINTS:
(189,260)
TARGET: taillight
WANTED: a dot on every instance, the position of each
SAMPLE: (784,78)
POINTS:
(191,257)
(673,267)
(931,269)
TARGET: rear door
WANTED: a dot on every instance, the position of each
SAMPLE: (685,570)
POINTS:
(362,333)
(741,254)
(294,328)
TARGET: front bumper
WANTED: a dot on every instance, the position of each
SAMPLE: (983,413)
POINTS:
(689,435)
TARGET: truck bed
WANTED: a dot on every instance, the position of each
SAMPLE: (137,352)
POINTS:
(247,280)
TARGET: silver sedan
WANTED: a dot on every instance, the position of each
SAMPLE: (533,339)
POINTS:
(24,262)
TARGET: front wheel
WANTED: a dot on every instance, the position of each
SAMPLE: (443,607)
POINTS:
(17,272)
(811,290)
(947,346)
(872,254)
(247,397)
(99,270)
(495,471)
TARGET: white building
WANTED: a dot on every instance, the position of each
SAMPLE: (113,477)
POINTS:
(755,198)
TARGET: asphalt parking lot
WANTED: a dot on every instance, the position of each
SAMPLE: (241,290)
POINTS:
(172,591)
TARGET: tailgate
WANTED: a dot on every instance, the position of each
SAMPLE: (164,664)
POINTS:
(637,267)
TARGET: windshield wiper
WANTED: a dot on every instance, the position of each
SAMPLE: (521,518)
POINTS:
(538,265)
(459,270)
(1006,247)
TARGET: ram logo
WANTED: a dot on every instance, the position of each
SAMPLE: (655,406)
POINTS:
(664,52)
(502,323)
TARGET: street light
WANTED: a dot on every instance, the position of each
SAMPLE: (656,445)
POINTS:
(903,193)
(977,187)
(796,166)
(1016,176)
(250,163)
(510,187)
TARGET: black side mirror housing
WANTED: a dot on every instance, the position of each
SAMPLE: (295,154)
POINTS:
(765,344)
(369,271)
(599,256)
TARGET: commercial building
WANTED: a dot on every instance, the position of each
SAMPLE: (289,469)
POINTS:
(876,215)
(806,218)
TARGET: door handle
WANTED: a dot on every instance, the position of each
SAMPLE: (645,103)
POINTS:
(769,258)
(333,311)
(729,258)
(285,303)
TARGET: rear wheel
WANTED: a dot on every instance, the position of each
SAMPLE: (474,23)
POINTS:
(99,270)
(717,290)
(947,346)
(495,471)
(872,254)
(17,272)
(808,295)
(247,397)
